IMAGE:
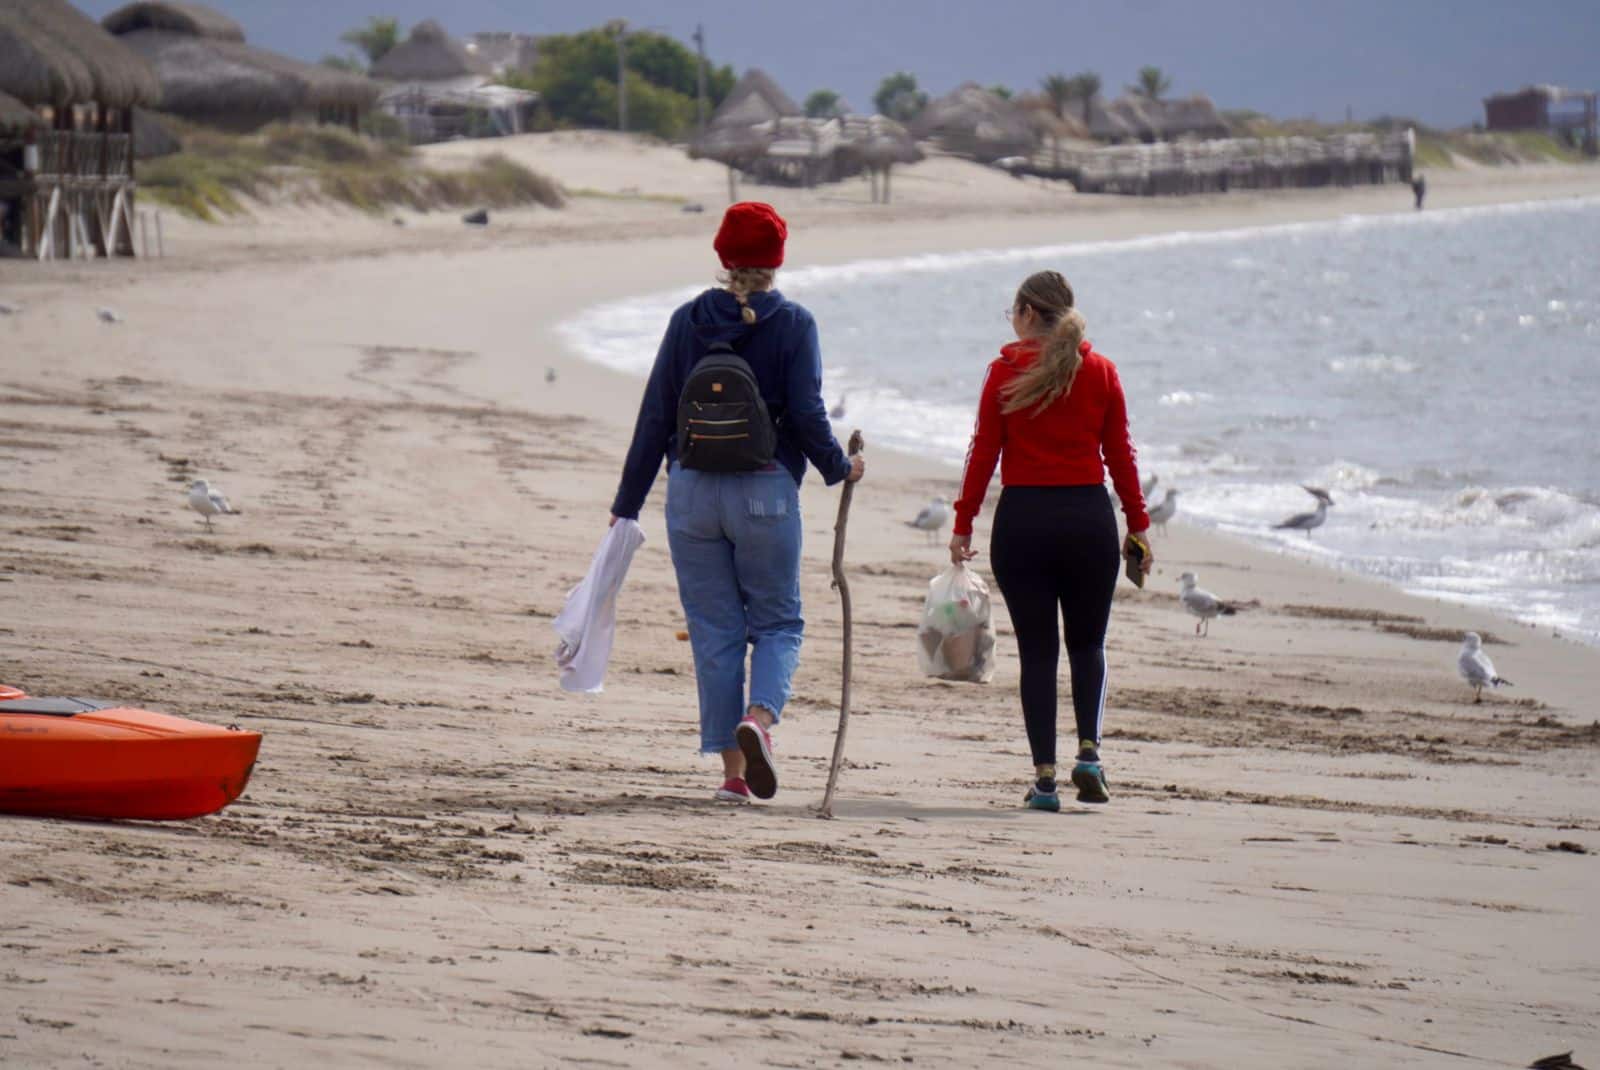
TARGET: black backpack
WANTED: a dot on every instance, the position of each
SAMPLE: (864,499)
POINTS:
(723,422)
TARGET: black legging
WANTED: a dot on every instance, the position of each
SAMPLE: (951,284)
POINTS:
(1057,546)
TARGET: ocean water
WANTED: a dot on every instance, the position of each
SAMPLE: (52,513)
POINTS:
(1438,373)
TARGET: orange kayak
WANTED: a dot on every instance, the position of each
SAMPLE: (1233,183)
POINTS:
(73,757)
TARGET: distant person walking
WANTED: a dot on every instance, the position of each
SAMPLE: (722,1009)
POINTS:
(1419,186)
(733,482)
(1052,414)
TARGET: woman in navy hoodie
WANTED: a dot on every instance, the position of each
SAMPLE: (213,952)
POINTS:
(735,536)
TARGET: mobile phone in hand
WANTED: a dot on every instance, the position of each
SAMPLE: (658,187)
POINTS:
(1133,558)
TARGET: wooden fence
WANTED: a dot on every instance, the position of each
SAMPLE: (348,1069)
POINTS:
(1224,164)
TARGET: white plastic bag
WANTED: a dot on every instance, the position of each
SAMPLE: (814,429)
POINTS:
(586,625)
(956,638)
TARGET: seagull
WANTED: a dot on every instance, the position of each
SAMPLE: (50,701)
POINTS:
(1476,668)
(549,375)
(207,501)
(837,412)
(934,516)
(1148,486)
(1165,511)
(1306,521)
(108,315)
(9,309)
(1202,604)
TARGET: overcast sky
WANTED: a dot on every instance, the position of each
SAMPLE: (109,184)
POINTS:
(1430,59)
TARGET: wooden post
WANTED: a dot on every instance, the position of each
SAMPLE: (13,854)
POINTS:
(47,241)
(161,241)
(144,233)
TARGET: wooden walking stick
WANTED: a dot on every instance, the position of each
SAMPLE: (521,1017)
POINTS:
(842,585)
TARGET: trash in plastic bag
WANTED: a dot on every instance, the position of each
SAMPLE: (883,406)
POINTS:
(955,640)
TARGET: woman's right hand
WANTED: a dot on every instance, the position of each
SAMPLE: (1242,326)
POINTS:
(961,550)
(858,468)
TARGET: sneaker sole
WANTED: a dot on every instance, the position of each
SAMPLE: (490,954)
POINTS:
(1091,788)
(1038,802)
(731,797)
(759,773)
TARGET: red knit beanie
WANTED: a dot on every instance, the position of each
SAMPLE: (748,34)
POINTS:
(751,236)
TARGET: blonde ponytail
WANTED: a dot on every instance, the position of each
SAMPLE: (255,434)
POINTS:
(741,282)
(1052,375)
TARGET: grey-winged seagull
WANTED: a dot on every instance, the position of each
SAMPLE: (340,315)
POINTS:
(934,516)
(1476,668)
(1202,604)
(1307,521)
(1165,511)
(207,501)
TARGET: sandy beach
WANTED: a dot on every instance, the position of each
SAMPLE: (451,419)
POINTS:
(1319,852)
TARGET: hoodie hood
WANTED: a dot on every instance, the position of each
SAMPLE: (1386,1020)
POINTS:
(716,316)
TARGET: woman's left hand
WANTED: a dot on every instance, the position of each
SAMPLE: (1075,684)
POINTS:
(961,550)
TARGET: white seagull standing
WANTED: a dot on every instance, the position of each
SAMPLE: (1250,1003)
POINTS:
(207,501)
(934,516)
(1306,521)
(108,315)
(9,310)
(1476,668)
(1165,511)
(1202,604)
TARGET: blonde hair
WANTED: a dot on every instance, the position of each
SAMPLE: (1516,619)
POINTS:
(741,282)
(1051,376)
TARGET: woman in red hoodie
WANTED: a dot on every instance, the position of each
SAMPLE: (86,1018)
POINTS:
(1053,415)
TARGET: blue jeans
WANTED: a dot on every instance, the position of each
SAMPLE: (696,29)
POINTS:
(735,541)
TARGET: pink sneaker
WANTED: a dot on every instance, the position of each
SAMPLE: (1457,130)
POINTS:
(759,770)
(734,790)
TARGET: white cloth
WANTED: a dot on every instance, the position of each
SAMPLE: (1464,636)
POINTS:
(587,624)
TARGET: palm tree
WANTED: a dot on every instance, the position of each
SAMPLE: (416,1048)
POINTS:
(823,104)
(1058,90)
(1085,87)
(376,38)
(1152,83)
(899,98)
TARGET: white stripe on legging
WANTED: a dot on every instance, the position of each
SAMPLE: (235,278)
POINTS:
(1100,713)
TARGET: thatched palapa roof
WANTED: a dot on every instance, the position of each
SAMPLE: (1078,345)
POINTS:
(192,20)
(877,140)
(755,98)
(208,73)
(1135,118)
(52,54)
(428,55)
(15,115)
(971,121)
(745,124)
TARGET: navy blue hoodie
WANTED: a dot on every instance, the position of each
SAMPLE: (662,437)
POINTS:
(781,348)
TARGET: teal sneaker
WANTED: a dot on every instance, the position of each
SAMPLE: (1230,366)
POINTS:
(1090,780)
(1042,800)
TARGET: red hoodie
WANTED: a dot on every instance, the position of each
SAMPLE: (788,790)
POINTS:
(1072,442)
